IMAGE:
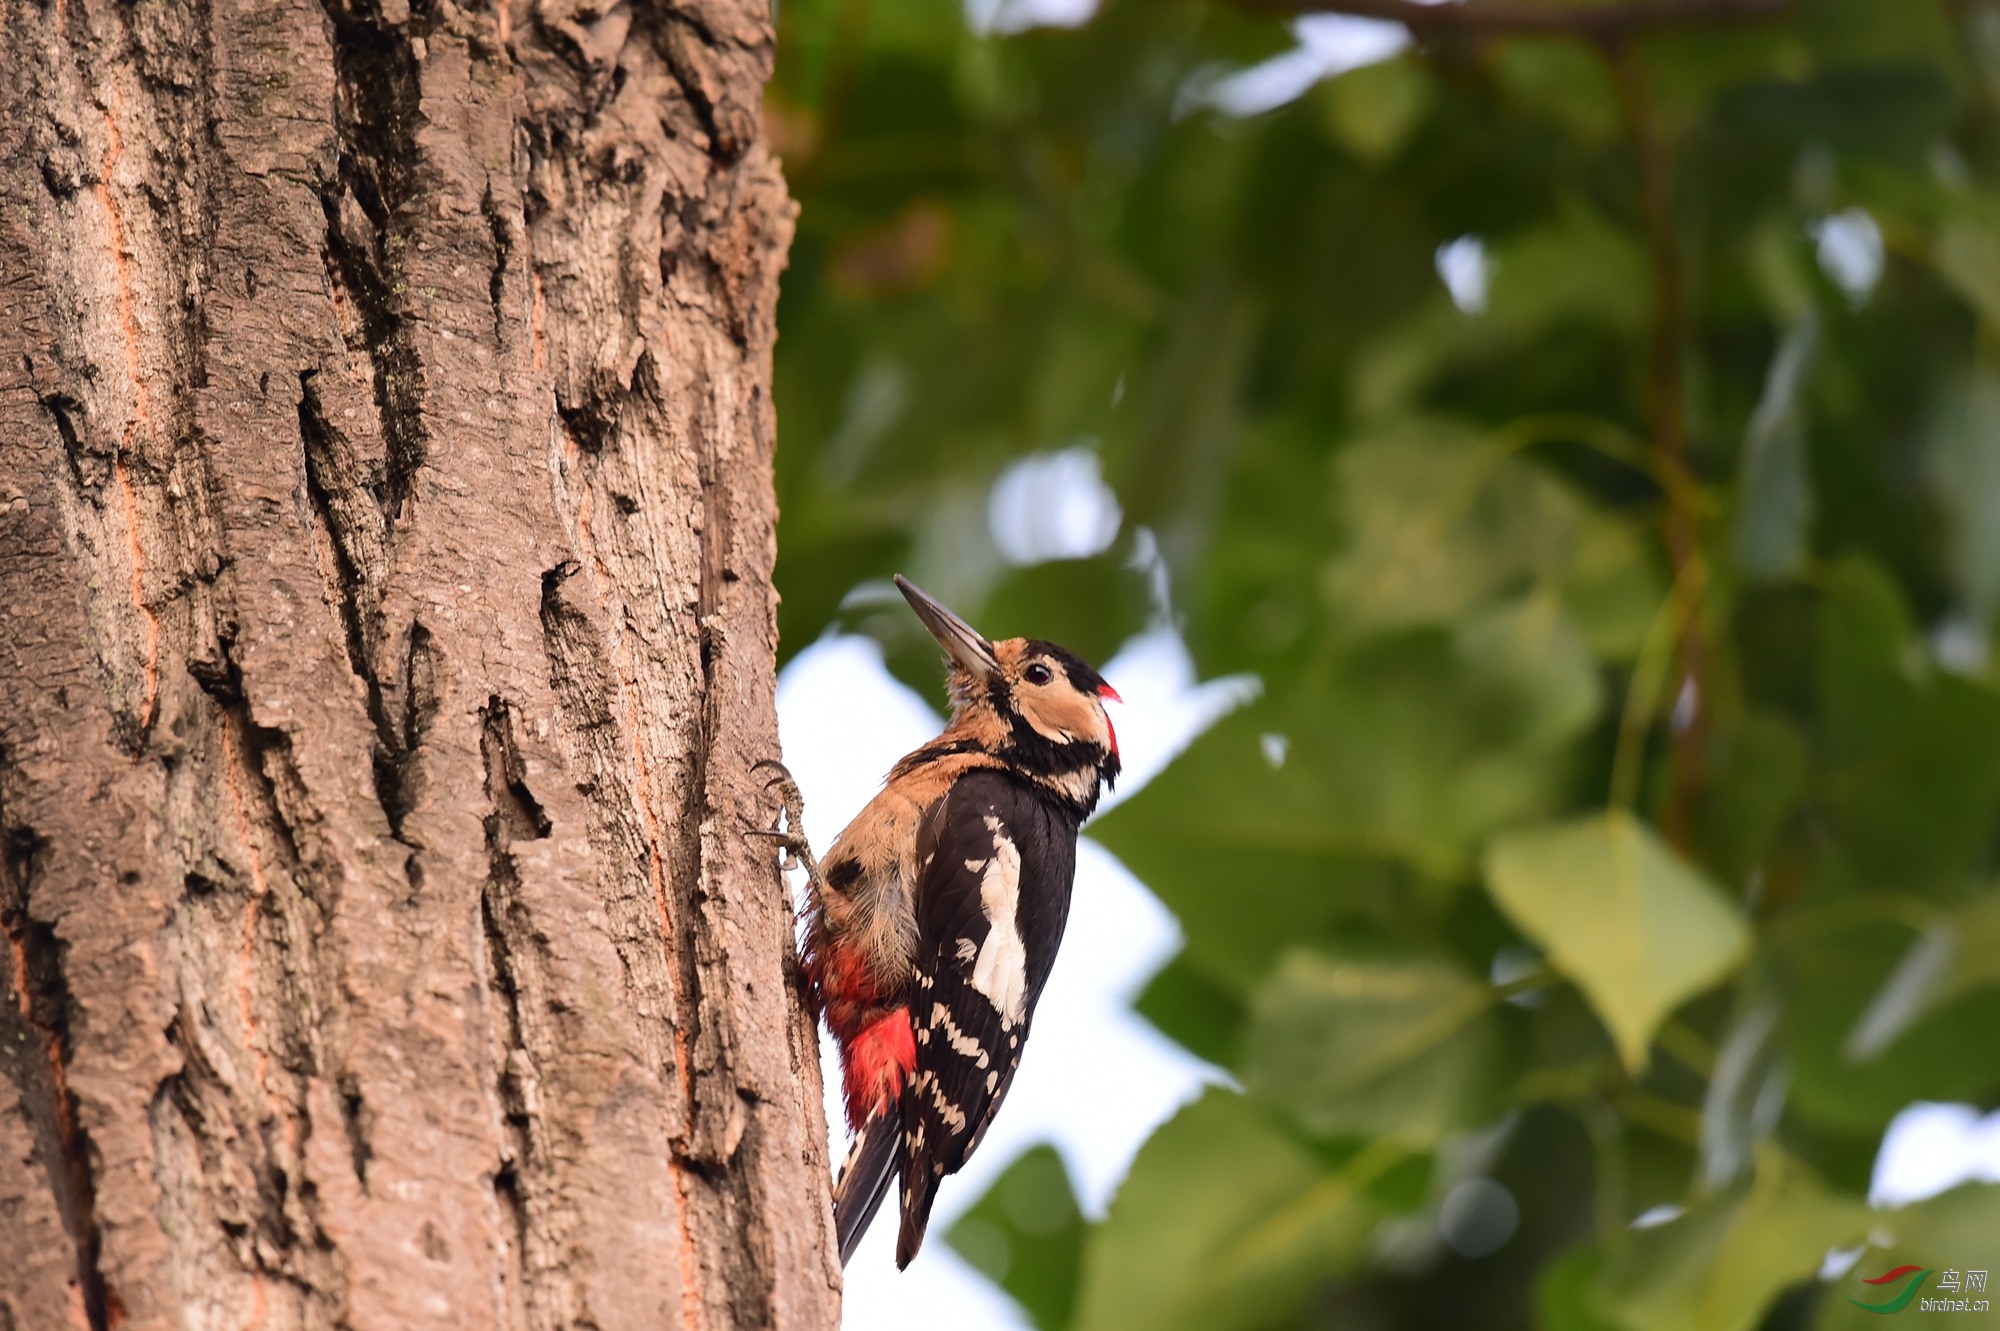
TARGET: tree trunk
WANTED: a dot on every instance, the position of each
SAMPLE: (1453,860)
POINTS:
(386,531)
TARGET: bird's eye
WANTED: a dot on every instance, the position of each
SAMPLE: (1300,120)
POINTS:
(1037,674)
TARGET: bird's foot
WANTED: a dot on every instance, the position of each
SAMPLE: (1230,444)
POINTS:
(790,836)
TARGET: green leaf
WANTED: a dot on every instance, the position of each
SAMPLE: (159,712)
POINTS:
(1612,587)
(1881,111)
(1774,509)
(1401,1049)
(1563,80)
(1374,110)
(1298,812)
(1745,1093)
(1241,851)
(1026,1235)
(1618,912)
(1566,1295)
(1848,32)
(1439,522)
(1720,1266)
(1202,1016)
(1531,676)
(1759,774)
(1955,956)
(1910,769)
(1582,269)
(1224,1224)
(1967,255)
(1856,1060)
(1781,268)
(1964,474)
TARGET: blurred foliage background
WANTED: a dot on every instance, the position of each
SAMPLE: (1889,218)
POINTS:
(1615,830)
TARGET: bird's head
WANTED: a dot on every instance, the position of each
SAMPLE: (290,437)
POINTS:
(1036,705)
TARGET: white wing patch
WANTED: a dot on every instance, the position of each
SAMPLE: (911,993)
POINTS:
(1001,972)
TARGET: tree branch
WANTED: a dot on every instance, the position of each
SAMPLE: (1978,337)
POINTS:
(1599,23)
(1666,383)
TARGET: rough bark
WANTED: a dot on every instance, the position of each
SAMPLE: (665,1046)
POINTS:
(386,636)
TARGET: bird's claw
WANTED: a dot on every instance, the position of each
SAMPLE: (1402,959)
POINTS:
(791,837)
(788,789)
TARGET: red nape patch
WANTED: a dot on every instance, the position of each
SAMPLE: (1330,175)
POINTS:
(875,1062)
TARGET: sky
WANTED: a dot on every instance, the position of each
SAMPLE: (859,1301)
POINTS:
(1095,1079)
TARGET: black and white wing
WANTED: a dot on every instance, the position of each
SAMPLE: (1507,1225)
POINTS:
(992,897)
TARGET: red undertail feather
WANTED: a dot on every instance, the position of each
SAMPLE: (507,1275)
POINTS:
(878,1047)
(875,1063)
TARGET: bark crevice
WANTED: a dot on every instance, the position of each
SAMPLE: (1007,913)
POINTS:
(354,1123)
(527,1180)
(349,496)
(255,960)
(35,1045)
(502,233)
(369,227)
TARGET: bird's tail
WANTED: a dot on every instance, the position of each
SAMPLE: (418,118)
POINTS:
(864,1179)
(920,1187)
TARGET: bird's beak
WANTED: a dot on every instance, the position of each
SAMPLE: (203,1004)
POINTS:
(966,647)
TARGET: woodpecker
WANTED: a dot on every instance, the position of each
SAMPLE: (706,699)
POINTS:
(932,923)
